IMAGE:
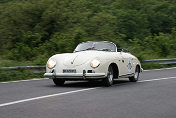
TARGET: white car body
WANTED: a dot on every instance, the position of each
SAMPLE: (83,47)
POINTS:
(77,65)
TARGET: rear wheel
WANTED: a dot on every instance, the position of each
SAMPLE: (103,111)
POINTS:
(136,75)
(58,82)
(108,81)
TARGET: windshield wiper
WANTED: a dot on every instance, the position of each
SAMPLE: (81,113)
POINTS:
(85,49)
(104,49)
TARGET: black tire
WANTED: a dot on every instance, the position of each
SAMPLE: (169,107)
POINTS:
(136,75)
(59,82)
(108,81)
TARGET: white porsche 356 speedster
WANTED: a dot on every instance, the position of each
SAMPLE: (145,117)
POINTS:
(93,60)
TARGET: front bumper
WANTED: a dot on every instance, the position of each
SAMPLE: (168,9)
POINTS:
(75,75)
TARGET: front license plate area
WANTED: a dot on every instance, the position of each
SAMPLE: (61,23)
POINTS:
(69,70)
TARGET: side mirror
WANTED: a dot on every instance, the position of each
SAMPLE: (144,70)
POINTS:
(125,50)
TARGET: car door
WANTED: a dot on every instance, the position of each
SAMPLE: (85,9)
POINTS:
(121,60)
(127,63)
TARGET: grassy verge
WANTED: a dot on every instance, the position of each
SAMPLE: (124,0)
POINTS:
(18,75)
(149,66)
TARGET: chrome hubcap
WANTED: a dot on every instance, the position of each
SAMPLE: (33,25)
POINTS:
(110,77)
(136,75)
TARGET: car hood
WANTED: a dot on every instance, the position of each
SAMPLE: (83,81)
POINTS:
(79,58)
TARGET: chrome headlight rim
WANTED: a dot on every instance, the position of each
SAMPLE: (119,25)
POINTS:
(94,63)
(51,63)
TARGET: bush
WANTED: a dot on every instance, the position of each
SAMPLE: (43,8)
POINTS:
(22,74)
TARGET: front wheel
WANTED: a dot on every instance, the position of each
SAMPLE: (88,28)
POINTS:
(58,82)
(108,81)
(136,75)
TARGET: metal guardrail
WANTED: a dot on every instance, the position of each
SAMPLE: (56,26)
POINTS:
(161,61)
(34,69)
(41,69)
(20,67)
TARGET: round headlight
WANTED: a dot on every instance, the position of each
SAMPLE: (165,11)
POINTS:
(51,63)
(94,63)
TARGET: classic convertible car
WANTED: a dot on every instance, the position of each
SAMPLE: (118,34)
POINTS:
(93,60)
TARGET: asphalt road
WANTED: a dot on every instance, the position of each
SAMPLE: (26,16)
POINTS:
(154,96)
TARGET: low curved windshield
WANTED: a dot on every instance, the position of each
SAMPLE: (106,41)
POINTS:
(100,46)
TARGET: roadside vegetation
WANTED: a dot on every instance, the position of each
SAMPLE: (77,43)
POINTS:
(33,30)
(22,74)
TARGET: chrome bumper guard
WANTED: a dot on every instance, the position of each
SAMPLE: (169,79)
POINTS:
(75,75)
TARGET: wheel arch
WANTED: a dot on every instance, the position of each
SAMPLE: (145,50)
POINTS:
(139,68)
(115,70)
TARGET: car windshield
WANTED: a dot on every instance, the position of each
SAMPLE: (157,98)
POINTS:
(100,46)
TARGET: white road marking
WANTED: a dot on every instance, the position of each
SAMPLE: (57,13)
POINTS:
(150,80)
(46,96)
(71,92)
(161,69)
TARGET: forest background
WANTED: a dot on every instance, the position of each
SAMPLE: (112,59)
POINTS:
(33,30)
